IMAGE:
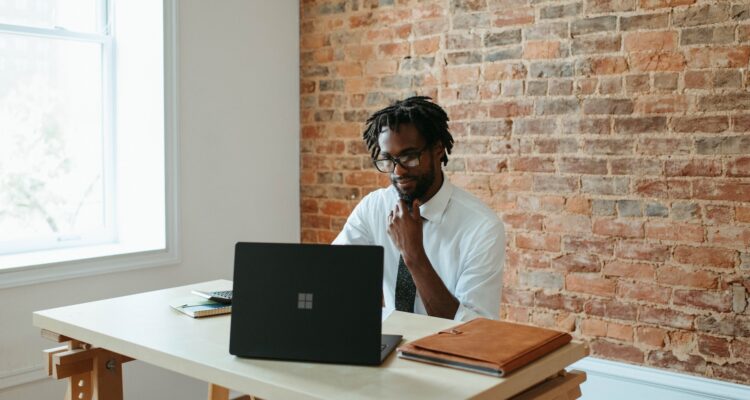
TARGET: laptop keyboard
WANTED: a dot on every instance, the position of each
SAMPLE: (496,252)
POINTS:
(227,294)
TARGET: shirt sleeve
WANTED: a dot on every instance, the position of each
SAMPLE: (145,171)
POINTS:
(479,287)
(357,229)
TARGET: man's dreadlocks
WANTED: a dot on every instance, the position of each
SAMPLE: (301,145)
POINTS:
(429,119)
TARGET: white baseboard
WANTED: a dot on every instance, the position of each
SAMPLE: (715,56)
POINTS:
(610,379)
(22,376)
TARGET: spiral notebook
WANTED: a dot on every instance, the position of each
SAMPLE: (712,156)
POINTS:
(197,307)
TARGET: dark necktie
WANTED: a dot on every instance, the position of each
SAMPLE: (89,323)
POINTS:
(406,291)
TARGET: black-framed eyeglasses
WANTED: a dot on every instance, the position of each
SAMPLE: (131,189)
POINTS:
(408,160)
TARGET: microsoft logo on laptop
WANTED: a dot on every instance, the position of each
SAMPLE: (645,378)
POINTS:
(304,301)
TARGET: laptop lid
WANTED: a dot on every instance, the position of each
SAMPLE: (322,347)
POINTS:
(307,302)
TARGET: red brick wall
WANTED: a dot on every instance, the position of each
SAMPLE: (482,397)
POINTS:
(613,136)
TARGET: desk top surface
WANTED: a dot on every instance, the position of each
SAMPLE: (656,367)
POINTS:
(144,327)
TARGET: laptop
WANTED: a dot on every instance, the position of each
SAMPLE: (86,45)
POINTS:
(309,302)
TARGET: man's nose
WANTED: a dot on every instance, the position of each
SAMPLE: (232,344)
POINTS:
(398,170)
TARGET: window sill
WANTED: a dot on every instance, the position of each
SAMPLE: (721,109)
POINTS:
(90,261)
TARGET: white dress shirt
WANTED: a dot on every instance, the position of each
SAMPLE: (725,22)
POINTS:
(463,238)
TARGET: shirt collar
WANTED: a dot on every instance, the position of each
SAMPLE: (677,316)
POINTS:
(434,208)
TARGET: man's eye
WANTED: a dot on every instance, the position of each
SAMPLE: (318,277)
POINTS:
(408,157)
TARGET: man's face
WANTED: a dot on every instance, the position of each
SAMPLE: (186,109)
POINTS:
(416,182)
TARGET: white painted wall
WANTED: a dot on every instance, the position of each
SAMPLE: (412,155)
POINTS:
(239,157)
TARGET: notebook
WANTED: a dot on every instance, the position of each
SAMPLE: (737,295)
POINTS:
(486,346)
(197,307)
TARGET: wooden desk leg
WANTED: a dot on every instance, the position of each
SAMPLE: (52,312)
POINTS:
(92,373)
(216,392)
(79,387)
(107,376)
(562,386)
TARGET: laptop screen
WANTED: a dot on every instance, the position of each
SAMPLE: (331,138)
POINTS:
(307,302)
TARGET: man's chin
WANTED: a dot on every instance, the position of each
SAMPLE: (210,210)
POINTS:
(410,196)
(401,193)
(406,195)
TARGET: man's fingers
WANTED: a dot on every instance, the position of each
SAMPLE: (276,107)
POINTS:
(392,234)
(415,210)
(400,206)
(389,226)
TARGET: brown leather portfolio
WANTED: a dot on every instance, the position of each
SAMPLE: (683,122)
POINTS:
(483,345)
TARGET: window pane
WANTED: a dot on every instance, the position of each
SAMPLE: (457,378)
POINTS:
(51,142)
(73,15)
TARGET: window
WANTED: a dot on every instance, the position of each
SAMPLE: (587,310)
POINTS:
(56,146)
(87,138)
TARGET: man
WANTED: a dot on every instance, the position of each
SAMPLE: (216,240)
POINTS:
(444,249)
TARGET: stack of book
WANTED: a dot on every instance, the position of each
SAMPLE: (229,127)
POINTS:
(197,307)
(486,346)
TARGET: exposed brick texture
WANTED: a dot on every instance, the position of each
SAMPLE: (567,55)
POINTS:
(611,136)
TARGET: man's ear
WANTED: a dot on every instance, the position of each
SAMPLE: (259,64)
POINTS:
(438,149)
(438,152)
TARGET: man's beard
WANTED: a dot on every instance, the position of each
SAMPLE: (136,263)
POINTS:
(422,186)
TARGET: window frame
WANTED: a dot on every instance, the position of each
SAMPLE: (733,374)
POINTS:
(104,38)
(102,260)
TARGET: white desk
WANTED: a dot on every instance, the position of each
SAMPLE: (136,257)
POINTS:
(144,327)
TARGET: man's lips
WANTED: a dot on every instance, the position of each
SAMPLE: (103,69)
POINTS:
(402,181)
(405,182)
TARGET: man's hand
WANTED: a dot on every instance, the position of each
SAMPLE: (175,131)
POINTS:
(405,230)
